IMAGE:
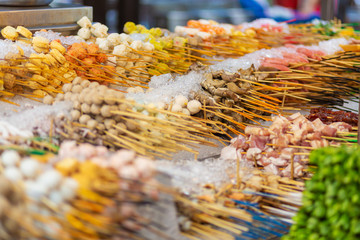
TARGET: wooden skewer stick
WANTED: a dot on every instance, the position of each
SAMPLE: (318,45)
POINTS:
(292,166)
(358,131)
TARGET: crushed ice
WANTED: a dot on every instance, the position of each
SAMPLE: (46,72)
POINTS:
(190,176)
(166,86)
(38,117)
(51,35)
(329,47)
(7,46)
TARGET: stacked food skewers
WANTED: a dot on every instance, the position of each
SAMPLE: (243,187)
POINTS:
(155,93)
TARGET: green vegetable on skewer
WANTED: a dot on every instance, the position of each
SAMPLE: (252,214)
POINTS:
(331,200)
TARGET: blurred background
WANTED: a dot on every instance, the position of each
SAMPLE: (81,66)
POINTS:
(170,13)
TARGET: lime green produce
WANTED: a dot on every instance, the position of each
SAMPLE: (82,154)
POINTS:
(331,200)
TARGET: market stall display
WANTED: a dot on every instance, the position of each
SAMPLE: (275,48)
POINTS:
(110,107)
(330,201)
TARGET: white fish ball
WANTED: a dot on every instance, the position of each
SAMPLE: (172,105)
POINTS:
(77,80)
(75,115)
(67,87)
(139,89)
(56,197)
(68,188)
(29,167)
(13,174)
(84,119)
(186,111)
(194,106)
(10,158)
(77,89)
(85,83)
(48,100)
(160,105)
(50,179)
(34,190)
(176,108)
(181,100)
(131,90)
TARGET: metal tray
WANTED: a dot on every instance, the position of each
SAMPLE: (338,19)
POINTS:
(58,17)
(22,3)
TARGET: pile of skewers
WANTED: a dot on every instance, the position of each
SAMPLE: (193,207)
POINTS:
(84,192)
(89,189)
(260,207)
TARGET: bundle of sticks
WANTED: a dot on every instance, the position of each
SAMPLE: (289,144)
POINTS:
(327,81)
(260,207)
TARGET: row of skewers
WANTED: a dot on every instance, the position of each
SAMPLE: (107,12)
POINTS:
(103,115)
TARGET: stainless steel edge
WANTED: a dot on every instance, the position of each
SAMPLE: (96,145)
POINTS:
(25,2)
(38,17)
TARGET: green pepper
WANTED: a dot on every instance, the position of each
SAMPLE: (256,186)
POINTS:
(331,200)
(324,228)
(312,223)
(331,191)
(344,222)
(314,236)
(320,211)
(355,226)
